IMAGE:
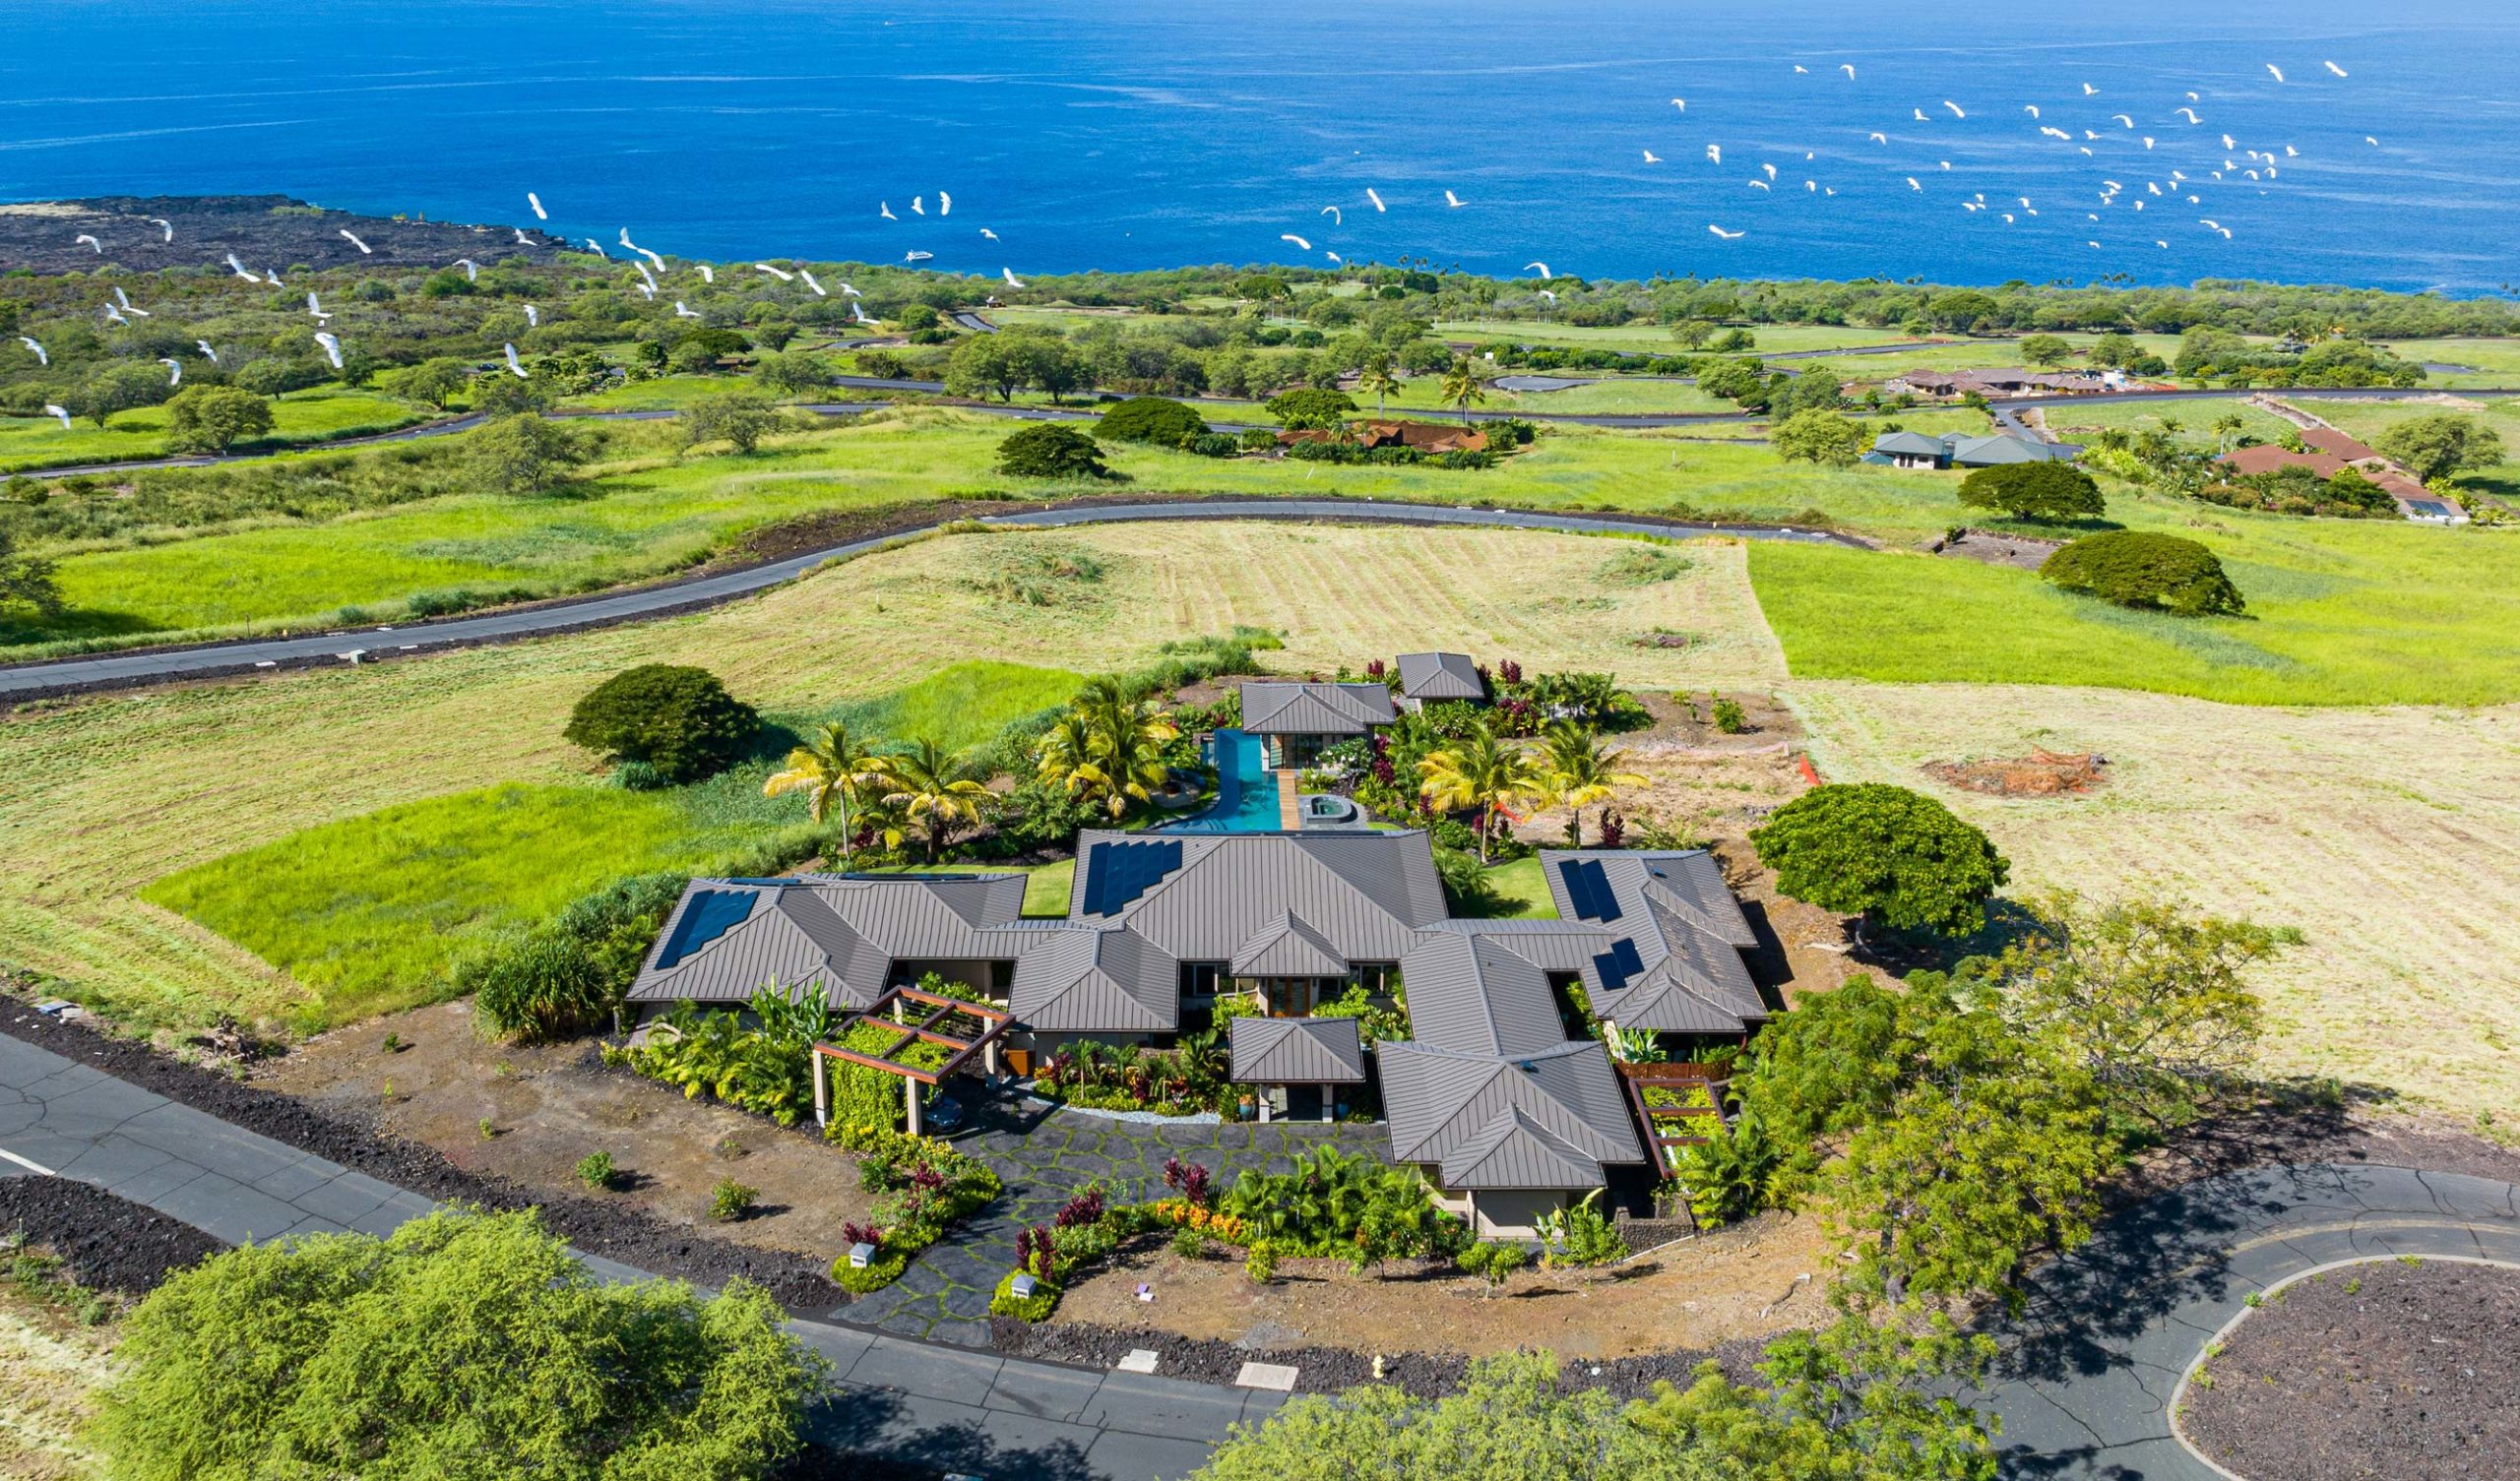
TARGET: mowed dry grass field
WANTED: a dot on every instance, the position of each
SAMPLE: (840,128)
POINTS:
(2389,836)
(107,794)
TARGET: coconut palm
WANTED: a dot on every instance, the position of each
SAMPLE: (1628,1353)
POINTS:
(1461,386)
(1479,771)
(1108,746)
(932,787)
(1377,380)
(2227,428)
(832,770)
(1579,771)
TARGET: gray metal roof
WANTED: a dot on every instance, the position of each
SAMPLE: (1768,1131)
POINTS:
(840,934)
(1673,934)
(1474,993)
(1295,1051)
(1282,708)
(1363,894)
(1444,1108)
(1287,948)
(1095,979)
(1440,676)
(1915,444)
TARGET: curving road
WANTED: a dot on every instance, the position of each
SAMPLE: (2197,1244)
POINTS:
(369,645)
(2092,1375)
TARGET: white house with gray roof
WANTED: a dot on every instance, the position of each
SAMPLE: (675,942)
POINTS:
(1500,1094)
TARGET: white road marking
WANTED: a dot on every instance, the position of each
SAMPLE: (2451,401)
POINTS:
(26,1163)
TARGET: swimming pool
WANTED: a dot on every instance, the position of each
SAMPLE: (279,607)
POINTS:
(1246,791)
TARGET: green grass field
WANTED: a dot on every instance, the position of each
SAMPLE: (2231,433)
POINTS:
(301,417)
(367,912)
(2195,418)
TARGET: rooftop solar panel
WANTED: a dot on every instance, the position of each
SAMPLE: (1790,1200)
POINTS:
(1588,889)
(1618,964)
(710,914)
(1121,872)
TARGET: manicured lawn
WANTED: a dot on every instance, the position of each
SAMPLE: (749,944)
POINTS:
(1045,886)
(368,911)
(1522,888)
(301,417)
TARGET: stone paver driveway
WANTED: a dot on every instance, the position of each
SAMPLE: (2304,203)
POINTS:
(1046,1154)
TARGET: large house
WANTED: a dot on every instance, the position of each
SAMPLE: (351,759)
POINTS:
(2327,451)
(1951,449)
(1501,1092)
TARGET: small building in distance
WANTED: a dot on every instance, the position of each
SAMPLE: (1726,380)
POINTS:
(1952,449)
(1429,438)
(1955,384)
(1297,719)
(1432,678)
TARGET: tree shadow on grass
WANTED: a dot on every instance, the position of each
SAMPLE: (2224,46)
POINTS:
(74,625)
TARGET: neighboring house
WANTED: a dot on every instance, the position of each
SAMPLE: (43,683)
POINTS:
(1952,449)
(1429,438)
(2333,452)
(1297,719)
(1432,678)
(1500,1095)
(2267,457)
(2338,444)
(1953,385)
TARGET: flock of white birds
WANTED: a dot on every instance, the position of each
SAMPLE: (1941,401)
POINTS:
(2167,187)
(2173,168)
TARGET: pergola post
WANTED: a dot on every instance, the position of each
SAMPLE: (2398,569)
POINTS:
(1263,1098)
(822,1090)
(1329,1104)
(989,1059)
(910,1106)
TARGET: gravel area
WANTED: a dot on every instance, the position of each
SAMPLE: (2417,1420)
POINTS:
(2388,1370)
(108,1242)
(1329,1370)
(617,1232)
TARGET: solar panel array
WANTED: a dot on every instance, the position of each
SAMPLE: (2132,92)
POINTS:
(711,914)
(1121,872)
(1618,964)
(1588,889)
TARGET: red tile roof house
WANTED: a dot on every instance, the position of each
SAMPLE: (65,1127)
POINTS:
(2266,458)
(1426,437)
(2336,452)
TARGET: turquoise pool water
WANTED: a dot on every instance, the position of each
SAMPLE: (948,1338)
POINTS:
(1246,794)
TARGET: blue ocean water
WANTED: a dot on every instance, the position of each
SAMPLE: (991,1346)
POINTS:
(1130,133)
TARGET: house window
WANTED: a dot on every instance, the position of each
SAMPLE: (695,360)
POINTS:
(1200,983)
(1377,978)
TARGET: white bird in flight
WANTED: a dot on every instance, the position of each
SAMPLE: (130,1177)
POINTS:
(363,249)
(534,200)
(781,273)
(115,316)
(1921,115)
(1849,69)
(1300,243)
(2124,119)
(1954,107)
(1453,201)
(1681,103)
(2332,67)
(1332,212)
(49,409)
(1545,274)
(808,277)
(515,364)
(846,291)
(29,342)
(596,248)
(1724,235)
(167,226)
(1806,71)
(270,277)
(884,209)
(1878,137)
(2089,91)
(1912,184)
(2191,114)
(472,268)
(207,350)
(680,312)
(332,347)
(2278,71)
(919,206)
(174,371)
(2031,108)
(533,317)
(1652,158)
(1376,198)
(1012,280)
(315,310)
(1715,153)
(521,239)
(916,257)
(124,299)
(92,243)
(1552,297)
(647,279)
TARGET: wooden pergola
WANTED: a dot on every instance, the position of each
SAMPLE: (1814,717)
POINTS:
(893,1011)
(1678,1077)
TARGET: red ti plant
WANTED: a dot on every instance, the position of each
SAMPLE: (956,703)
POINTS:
(1509,672)
(1613,830)
(863,1234)
(1084,1208)
(1191,1180)
(1036,1253)
(1376,668)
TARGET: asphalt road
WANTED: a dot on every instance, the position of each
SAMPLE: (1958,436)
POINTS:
(373,645)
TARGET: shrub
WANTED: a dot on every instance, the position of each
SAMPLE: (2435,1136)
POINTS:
(1352,1207)
(525,454)
(1050,451)
(1260,1263)
(1580,1237)
(1034,1307)
(214,418)
(677,719)
(2034,491)
(1189,1243)
(595,1170)
(1729,716)
(1724,1178)
(1151,418)
(1216,445)
(739,419)
(1892,855)
(1494,1261)
(730,1200)
(1818,436)
(764,1067)
(569,971)
(466,1344)
(2136,568)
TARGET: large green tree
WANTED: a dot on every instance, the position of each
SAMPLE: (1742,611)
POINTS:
(466,1344)
(739,419)
(525,454)
(1480,771)
(2436,447)
(1896,857)
(834,770)
(1821,437)
(673,717)
(214,418)
(2034,491)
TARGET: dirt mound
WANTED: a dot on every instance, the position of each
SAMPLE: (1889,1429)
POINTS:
(108,1242)
(2041,774)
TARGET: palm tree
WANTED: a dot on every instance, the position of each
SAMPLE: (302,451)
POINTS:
(1579,770)
(1377,378)
(934,786)
(1479,771)
(1129,734)
(834,767)
(2226,428)
(1461,386)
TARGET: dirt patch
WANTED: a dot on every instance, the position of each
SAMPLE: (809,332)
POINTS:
(2402,1371)
(550,1105)
(2041,774)
(108,1243)
(1989,548)
(611,1226)
(1747,1282)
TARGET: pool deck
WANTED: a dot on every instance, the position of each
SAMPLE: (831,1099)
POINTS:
(1289,804)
